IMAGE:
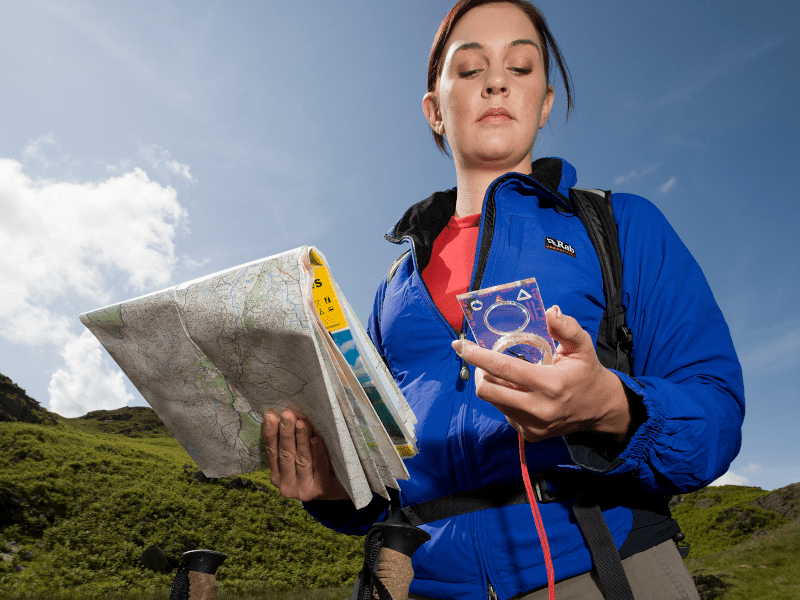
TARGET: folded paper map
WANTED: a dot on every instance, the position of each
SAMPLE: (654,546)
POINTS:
(213,354)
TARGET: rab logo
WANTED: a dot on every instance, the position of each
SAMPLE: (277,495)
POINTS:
(558,246)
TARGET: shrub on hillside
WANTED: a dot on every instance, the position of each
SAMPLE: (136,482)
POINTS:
(91,504)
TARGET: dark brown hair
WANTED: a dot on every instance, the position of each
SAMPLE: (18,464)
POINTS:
(550,47)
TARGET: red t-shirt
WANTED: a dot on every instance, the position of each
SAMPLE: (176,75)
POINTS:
(449,271)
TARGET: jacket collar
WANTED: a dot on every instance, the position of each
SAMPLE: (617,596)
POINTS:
(425,220)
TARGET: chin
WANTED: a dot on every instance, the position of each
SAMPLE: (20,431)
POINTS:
(497,159)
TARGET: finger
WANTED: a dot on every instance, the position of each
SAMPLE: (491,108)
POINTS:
(304,461)
(320,457)
(496,364)
(528,434)
(329,485)
(567,331)
(481,375)
(499,392)
(287,450)
(270,431)
(532,431)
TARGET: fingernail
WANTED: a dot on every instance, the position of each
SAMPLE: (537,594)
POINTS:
(285,422)
(458,346)
(301,427)
(267,422)
(560,315)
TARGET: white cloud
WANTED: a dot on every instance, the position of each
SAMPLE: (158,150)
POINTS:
(347,346)
(157,157)
(62,240)
(86,383)
(752,468)
(731,478)
(620,179)
(359,368)
(33,151)
(64,237)
(668,185)
(194,264)
(623,178)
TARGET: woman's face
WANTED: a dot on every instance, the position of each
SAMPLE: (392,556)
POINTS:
(492,96)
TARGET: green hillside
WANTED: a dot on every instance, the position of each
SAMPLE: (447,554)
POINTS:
(78,509)
(764,566)
(83,500)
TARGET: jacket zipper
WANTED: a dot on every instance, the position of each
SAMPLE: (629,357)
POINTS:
(464,372)
(477,278)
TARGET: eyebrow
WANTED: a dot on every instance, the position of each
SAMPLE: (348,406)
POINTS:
(478,46)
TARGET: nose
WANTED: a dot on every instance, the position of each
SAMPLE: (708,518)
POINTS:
(496,81)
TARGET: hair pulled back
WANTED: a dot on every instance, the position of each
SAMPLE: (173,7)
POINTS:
(550,47)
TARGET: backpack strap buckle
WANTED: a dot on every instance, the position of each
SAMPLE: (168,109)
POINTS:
(540,489)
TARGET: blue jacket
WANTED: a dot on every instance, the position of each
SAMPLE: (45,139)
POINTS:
(688,380)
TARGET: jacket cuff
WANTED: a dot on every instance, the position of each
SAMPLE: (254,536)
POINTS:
(600,455)
(342,516)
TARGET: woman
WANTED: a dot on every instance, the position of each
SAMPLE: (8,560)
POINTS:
(675,428)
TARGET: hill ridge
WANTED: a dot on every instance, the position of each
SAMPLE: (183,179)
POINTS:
(17,406)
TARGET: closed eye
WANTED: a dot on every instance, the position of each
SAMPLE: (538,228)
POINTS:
(520,70)
(468,74)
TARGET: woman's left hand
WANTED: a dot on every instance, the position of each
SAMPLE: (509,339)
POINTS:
(575,393)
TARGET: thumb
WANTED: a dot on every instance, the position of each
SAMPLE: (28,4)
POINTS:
(566,330)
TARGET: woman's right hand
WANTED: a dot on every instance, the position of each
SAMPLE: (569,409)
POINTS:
(299,463)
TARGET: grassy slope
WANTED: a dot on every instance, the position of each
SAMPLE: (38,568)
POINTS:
(95,501)
(102,488)
(717,518)
(765,566)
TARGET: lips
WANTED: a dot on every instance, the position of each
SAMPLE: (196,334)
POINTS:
(495,115)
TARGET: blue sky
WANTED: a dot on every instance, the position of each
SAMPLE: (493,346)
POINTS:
(145,144)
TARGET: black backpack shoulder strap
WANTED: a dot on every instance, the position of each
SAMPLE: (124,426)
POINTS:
(389,276)
(395,265)
(614,349)
(614,339)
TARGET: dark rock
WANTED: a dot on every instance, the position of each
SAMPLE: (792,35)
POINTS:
(706,503)
(11,507)
(24,455)
(239,484)
(154,559)
(16,405)
(710,586)
(784,501)
(675,501)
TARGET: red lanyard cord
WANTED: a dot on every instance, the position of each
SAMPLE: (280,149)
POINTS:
(537,518)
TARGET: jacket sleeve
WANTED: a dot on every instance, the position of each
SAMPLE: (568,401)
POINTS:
(686,373)
(341,515)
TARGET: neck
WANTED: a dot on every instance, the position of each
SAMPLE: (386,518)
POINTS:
(473,183)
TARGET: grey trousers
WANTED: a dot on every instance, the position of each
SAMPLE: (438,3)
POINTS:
(655,574)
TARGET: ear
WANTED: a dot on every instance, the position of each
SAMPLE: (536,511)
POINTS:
(430,106)
(547,105)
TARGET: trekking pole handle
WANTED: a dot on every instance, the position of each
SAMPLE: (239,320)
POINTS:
(400,541)
(203,565)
